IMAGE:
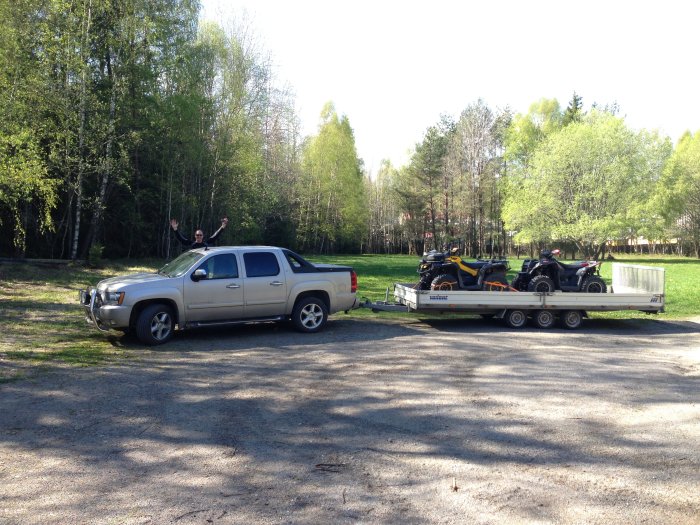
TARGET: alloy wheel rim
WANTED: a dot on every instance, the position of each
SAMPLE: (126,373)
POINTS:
(161,325)
(311,316)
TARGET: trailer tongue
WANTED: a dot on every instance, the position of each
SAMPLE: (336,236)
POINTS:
(634,287)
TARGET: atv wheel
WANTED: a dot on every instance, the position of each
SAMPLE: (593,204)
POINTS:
(496,282)
(540,283)
(444,282)
(594,284)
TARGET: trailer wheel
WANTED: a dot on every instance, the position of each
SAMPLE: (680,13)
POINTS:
(515,318)
(544,319)
(444,282)
(571,319)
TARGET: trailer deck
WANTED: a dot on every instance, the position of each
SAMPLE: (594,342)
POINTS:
(634,287)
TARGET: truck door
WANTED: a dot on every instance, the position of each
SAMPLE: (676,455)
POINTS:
(219,294)
(265,284)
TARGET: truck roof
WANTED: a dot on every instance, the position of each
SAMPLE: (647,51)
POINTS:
(228,248)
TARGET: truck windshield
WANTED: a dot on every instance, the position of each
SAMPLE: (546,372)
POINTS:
(181,264)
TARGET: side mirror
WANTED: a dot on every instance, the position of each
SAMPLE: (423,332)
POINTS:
(199,273)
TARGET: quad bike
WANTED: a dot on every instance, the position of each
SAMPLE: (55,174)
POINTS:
(447,271)
(547,274)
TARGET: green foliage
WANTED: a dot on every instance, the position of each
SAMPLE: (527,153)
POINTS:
(574,111)
(679,191)
(526,132)
(583,182)
(333,211)
(94,258)
(24,179)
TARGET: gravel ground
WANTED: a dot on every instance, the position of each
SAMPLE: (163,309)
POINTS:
(381,421)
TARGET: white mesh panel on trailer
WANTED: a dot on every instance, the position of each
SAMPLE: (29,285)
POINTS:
(633,278)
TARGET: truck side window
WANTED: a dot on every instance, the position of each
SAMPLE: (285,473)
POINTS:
(261,264)
(221,266)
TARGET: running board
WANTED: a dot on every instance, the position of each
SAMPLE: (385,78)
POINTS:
(199,324)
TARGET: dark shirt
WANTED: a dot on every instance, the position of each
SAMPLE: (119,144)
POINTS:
(187,243)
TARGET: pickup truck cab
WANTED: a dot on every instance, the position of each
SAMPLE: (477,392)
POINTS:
(225,285)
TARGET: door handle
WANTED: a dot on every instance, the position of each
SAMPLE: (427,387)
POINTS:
(276,283)
(234,285)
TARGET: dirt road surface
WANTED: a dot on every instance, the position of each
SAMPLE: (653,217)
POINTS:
(396,421)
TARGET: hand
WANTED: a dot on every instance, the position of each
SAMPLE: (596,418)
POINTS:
(173,224)
(224,222)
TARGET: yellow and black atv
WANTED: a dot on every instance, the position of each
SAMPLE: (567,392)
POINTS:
(448,271)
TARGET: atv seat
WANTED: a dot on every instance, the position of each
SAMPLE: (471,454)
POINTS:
(574,266)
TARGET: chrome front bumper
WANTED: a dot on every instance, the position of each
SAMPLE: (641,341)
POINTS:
(90,301)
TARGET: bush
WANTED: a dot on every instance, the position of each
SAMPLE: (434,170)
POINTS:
(94,258)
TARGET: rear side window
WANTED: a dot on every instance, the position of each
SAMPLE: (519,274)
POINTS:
(261,264)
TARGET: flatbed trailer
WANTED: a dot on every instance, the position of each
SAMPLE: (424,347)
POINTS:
(634,287)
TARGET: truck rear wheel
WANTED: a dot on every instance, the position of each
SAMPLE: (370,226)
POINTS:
(515,318)
(310,314)
(155,324)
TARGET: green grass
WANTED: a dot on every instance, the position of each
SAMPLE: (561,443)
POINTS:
(43,325)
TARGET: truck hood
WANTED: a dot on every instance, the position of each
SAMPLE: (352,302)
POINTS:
(120,281)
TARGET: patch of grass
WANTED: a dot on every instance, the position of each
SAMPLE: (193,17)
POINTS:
(43,324)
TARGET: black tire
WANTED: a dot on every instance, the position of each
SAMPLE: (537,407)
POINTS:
(444,282)
(544,319)
(515,318)
(310,315)
(571,319)
(155,324)
(496,282)
(594,284)
(540,283)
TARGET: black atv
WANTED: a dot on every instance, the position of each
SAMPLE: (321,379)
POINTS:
(547,274)
(448,271)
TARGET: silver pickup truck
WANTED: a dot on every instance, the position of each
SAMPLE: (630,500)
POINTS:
(226,285)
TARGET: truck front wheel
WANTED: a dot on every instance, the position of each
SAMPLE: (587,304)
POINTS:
(310,314)
(155,324)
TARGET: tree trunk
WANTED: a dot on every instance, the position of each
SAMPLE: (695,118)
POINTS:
(81,134)
(106,166)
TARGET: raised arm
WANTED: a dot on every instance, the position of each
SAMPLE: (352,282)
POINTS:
(184,240)
(224,223)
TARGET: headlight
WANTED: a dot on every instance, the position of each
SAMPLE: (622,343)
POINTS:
(113,298)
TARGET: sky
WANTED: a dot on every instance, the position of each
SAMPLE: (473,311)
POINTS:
(393,67)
